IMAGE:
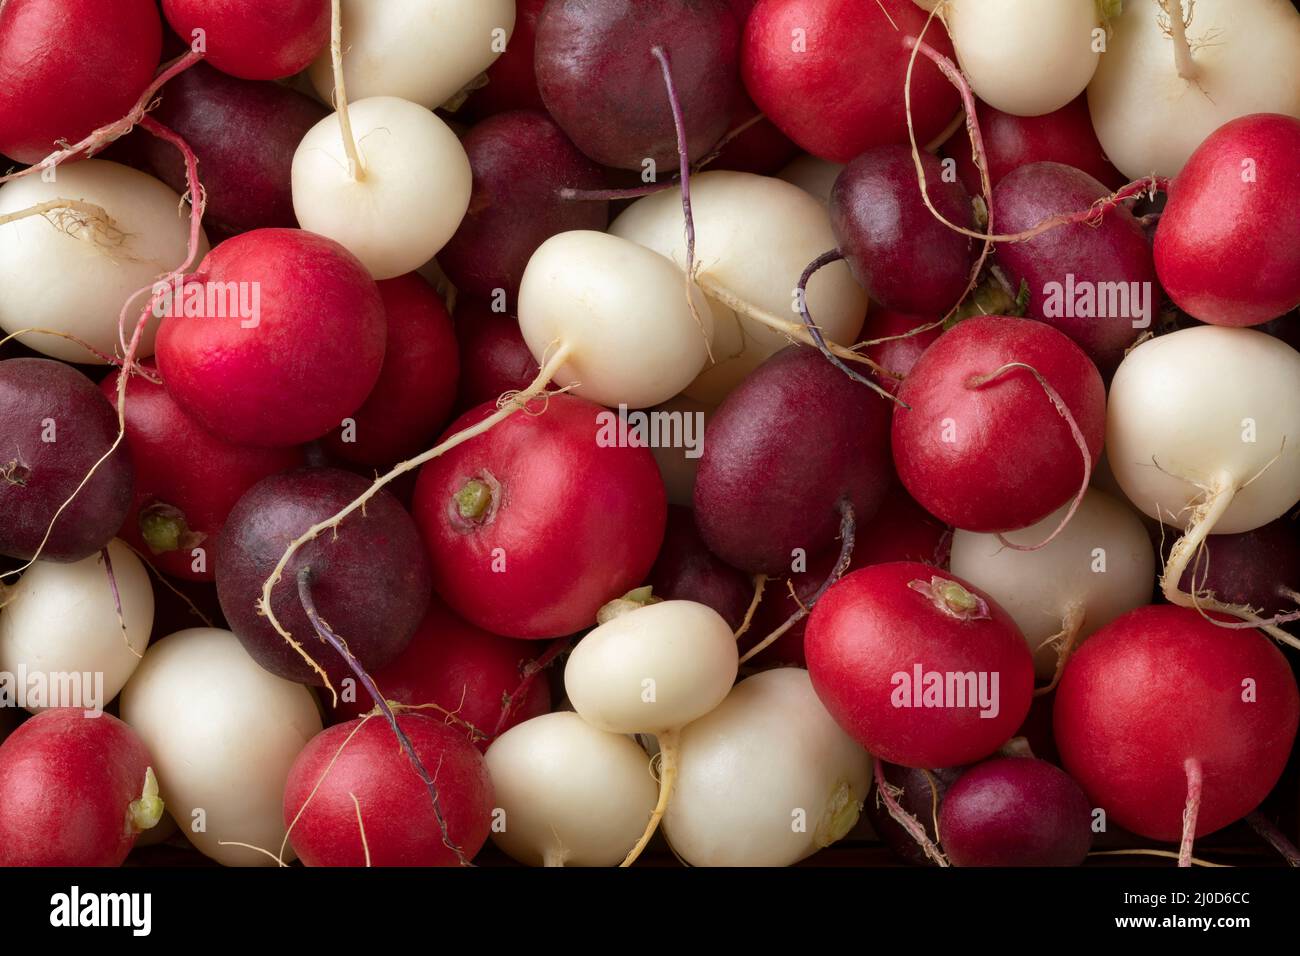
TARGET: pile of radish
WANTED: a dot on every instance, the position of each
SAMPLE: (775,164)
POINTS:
(747,431)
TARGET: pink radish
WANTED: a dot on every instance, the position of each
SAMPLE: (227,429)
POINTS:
(250,39)
(898,343)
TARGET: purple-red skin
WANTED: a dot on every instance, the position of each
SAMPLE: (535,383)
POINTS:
(520,161)
(917,799)
(789,442)
(512,79)
(605,88)
(37,476)
(370,576)
(1015,811)
(761,148)
(686,570)
(494,359)
(1252,568)
(899,354)
(898,251)
(1115,249)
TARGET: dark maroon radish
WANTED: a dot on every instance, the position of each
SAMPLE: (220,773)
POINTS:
(900,349)
(417,384)
(791,442)
(55,425)
(1095,281)
(759,147)
(520,161)
(494,358)
(512,79)
(918,798)
(1015,811)
(601,80)
(980,442)
(899,252)
(686,570)
(368,578)
(1260,568)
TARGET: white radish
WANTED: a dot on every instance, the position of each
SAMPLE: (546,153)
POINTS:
(223,733)
(1165,84)
(767,778)
(570,794)
(812,174)
(108,231)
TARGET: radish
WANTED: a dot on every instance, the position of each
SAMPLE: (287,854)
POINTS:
(494,358)
(68,67)
(62,622)
(1015,811)
(1174,725)
(186,480)
(223,734)
(568,794)
(686,570)
(1167,82)
(108,232)
(251,39)
(900,340)
(512,78)
(290,367)
(1257,569)
(917,666)
(549,509)
(766,778)
(680,461)
(75,790)
(995,418)
(1228,244)
(753,144)
(1100,566)
(920,795)
(57,427)
(812,175)
(653,669)
(351,798)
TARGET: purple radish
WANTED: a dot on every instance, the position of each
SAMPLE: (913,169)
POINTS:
(1259,568)
(686,570)
(918,799)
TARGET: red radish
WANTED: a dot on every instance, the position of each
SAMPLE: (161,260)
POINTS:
(918,799)
(494,358)
(1258,569)
(1175,725)
(464,670)
(533,526)
(829,73)
(686,570)
(352,799)
(512,79)
(68,67)
(186,479)
(980,442)
(56,427)
(251,39)
(75,790)
(900,348)
(417,384)
(296,364)
(1228,245)
(1015,811)
(920,669)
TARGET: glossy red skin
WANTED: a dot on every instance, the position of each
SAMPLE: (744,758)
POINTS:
(512,79)
(244,134)
(900,354)
(417,385)
(66,786)
(253,39)
(32,391)
(1064,136)
(917,799)
(370,578)
(845,93)
(898,251)
(68,67)
(871,625)
(461,668)
(311,360)
(1161,685)
(181,464)
(603,86)
(396,808)
(1252,568)
(577,524)
(762,148)
(1228,252)
(786,445)
(520,160)
(1114,250)
(1014,459)
(1015,811)
(686,570)
(494,359)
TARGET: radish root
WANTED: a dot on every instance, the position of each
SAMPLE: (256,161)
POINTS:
(1064,640)
(887,794)
(1194,781)
(355,168)
(667,779)
(760,584)
(512,700)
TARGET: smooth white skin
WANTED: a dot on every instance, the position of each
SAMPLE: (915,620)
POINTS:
(223,734)
(754,235)
(652,670)
(55,275)
(1149,119)
(675,467)
(425,51)
(622,312)
(572,795)
(1186,401)
(61,618)
(1102,562)
(1025,57)
(813,175)
(411,197)
(766,760)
